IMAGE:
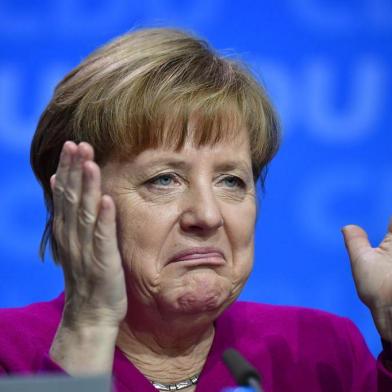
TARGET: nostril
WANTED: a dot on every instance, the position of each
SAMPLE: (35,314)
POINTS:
(201,212)
(191,221)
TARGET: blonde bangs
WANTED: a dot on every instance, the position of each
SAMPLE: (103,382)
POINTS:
(172,123)
(167,104)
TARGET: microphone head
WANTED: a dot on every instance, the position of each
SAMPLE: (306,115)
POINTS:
(239,367)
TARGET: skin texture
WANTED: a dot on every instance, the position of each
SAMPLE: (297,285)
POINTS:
(120,228)
(164,202)
(95,294)
(168,202)
(372,272)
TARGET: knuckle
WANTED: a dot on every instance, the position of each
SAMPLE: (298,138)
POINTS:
(70,197)
(86,218)
(58,190)
(99,236)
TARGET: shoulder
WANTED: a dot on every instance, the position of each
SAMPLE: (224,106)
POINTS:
(26,333)
(273,317)
(292,345)
(291,328)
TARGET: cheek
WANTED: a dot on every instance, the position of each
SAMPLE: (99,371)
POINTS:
(142,231)
(240,226)
(240,230)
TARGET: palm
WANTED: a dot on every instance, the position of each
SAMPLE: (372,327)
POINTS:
(372,272)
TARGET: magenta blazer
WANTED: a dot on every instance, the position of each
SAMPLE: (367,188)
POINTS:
(294,349)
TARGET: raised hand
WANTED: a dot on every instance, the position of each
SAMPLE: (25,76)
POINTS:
(372,271)
(95,295)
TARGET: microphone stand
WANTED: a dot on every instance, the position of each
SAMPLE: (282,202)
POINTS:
(243,372)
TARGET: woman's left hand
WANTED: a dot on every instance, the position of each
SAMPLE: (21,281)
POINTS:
(372,271)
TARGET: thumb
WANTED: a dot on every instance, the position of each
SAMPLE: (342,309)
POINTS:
(356,241)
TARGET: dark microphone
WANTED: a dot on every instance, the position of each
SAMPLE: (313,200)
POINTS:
(243,372)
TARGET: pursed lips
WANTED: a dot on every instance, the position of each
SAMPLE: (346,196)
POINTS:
(196,256)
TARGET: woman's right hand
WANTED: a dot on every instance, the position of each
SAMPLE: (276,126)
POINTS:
(84,227)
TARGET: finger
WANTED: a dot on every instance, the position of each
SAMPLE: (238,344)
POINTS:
(73,188)
(356,241)
(386,244)
(61,180)
(89,205)
(105,237)
(52,182)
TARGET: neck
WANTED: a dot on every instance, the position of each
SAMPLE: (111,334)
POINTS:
(168,349)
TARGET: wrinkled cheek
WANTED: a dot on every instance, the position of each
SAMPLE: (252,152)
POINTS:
(137,250)
(125,244)
(243,261)
(130,231)
(241,275)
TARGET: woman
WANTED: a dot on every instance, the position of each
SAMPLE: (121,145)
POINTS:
(156,143)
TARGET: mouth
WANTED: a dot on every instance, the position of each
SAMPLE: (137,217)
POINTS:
(199,256)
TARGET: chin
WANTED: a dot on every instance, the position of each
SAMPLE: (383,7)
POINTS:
(194,302)
(199,293)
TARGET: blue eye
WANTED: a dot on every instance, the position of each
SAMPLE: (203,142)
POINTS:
(233,182)
(162,180)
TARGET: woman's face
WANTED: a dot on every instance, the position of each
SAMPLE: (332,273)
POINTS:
(185,224)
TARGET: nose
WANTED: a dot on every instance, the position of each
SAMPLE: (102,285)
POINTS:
(201,213)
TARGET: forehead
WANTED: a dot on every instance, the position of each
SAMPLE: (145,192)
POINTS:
(235,149)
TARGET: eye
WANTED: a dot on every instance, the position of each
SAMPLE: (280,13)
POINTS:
(163,180)
(233,182)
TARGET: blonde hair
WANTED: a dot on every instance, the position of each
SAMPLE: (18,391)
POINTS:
(139,91)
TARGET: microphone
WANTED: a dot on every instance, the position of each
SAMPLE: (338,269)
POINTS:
(243,372)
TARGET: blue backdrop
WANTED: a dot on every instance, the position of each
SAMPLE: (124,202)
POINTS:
(327,66)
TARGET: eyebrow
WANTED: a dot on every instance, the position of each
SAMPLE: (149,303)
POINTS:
(162,161)
(233,164)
